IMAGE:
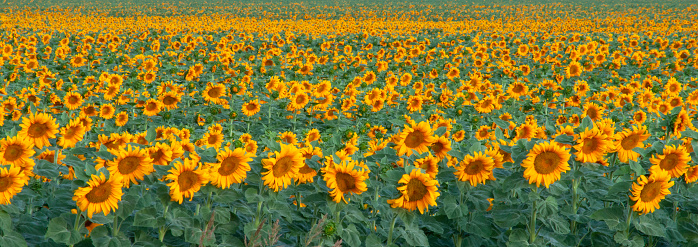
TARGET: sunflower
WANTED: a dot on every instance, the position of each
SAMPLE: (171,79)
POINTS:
(170,100)
(417,137)
(100,195)
(72,100)
(106,111)
(251,147)
(299,100)
(214,93)
(38,129)
(414,103)
(313,135)
(11,182)
(71,134)
(627,140)
(250,108)
(232,167)
(161,154)
(440,147)
(574,69)
(591,146)
(674,160)
(343,179)
(593,111)
(526,131)
(648,192)
(475,169)
(307,174)
(283,168)
(152,107)
(429,164)
(16,151)
(186,179)
(691,174)
(121,119)
(418,192)
(545,162)
(131,163)
(213,139)
(288,137)
(517,89)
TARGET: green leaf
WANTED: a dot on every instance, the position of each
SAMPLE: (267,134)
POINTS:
(613,217)
(59,232)
(690,133)
(557,224)
(440,131)
(5,220)
(453,209)
(636,167)
(252,196)
(518,236)
(11,238)
(650,226)
(565,139)
(506,217)
(46,169)
(373,240)
(152,133)
(351,236)
(548,207)
(146,217)
(414,236)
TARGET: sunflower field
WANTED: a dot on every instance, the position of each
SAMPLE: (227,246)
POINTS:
(348,123)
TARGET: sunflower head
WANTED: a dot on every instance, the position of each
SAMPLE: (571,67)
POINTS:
(647,192)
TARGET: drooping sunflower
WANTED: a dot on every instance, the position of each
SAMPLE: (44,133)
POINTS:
(101,195)
(250,108)
(131,163)
(417,137)
(545,162)
(591,146)
(232,167)
(307,174)
(283,168)
(11,182)
(648,192)
(418,192)
(342,179)
(186,179)
(71,134)
(673,159)
(691,174)
(38,129)
(429,164)
(627,140)
(475,169)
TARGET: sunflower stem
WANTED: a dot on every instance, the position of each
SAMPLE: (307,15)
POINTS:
(390,233)
(532,225)
(628,219)
(77,220)
(115,226)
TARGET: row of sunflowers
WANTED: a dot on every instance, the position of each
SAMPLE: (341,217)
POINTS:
(263,125)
